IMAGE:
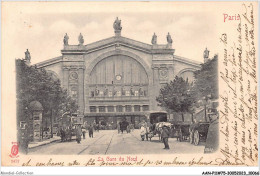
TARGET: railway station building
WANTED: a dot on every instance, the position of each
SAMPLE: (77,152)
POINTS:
(117,77)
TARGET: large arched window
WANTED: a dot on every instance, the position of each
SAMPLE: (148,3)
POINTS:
(118,69)
(117,76)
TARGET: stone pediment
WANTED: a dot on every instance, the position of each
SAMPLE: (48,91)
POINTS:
(117,41)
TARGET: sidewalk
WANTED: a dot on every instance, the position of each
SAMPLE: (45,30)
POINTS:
(45,142)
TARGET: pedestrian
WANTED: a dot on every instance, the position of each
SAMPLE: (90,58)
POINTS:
(78,134)
(143,131)
(128,129)
(98,127)
(118,127)
(133,127)
(90,130)
(165,135)
(83,133)
(95,126)
(68,134)
(62,134)
(146,132)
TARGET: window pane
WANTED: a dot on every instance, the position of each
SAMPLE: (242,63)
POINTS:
(128,108)
(119,108)
(145,108)
(93,109)
(101,108)
(137,108)
(110,108)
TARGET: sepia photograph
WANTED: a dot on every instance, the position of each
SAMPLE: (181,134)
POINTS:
(117,95)
(129,84)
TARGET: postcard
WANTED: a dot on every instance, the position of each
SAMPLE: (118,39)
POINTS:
(133,84)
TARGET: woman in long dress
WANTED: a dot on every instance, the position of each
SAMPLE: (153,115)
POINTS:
(143,132)
(78,134)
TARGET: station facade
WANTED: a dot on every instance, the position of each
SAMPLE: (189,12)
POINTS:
(117,77)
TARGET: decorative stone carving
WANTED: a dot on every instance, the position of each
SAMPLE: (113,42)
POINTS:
(27,55)
(206,53)
(117,47)
(154,39)
(81,39)
(66,39)
(117,27)
(163,73)
(73,75)
(117,24)
(169,38)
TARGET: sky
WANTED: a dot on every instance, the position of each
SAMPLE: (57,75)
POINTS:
(41,27)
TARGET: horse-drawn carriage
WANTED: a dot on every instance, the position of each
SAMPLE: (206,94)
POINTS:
(68,124)
(124,125)
(157,121)
(181,130)
(158,128)
(196,130)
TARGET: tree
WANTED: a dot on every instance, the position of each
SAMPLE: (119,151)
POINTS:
(206,80)
(36,84)
(176,96)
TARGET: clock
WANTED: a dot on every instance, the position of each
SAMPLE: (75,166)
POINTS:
(118,77)
(74,75)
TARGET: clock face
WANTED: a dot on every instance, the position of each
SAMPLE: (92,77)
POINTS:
(118,77)
(74,75)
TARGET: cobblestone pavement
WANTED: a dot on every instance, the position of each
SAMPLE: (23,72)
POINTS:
(110,142)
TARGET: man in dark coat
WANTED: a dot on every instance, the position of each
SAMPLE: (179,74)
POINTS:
(90,131)
(78,134)
(165,135)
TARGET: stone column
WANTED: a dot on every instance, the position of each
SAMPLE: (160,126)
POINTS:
(66,78)
(141,108)
(155,75)
(81,90)
(123,108)
(171,76)
(106,109)
(155,88)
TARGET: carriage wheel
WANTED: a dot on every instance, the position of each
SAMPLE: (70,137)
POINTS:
(196,137)
(180,135)
(191,138)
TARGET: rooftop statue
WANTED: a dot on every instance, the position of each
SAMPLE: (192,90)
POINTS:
(154,39)
(117,24)
(66,39)
(81,39)
(206,53)
(27,55)
(169,38)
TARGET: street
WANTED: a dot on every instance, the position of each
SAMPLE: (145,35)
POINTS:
(110,142)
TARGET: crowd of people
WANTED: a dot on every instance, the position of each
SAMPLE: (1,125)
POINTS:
(125,126)
(77,130)
(147,131)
